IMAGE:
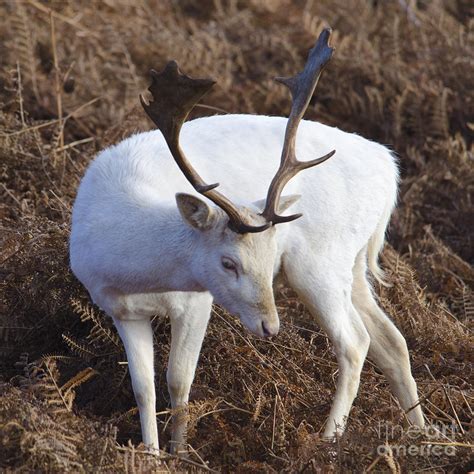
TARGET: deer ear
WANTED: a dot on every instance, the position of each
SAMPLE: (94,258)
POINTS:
(285,203)
(194,211)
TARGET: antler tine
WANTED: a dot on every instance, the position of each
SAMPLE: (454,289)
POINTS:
(174,96)
(301,87)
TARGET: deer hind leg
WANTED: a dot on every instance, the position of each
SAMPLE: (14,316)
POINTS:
(327,296)
(189,314)
(388,348)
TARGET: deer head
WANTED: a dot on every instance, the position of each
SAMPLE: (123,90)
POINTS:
(235,245)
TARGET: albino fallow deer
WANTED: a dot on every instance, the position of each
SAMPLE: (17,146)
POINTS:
(144,242)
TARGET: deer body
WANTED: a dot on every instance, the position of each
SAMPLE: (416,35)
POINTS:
(126,202)
(137,255)
(141,249)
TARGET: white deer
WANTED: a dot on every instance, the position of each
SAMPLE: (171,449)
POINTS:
(141,249)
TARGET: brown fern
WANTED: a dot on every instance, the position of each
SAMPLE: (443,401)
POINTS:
(24,43)
(99,333)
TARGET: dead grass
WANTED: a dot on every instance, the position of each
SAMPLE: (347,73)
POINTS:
(69,83)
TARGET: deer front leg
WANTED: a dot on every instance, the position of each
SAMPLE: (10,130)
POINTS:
(189,318)
(137,337)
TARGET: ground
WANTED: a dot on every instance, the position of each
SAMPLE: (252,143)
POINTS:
(70,76)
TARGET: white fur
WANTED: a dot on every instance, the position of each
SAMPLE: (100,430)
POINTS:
(138,255)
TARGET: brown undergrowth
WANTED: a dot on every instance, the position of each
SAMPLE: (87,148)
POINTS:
(71,72)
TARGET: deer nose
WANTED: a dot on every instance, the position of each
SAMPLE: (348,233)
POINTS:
(268,331)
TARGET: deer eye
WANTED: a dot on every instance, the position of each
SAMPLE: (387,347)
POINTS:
(229,264)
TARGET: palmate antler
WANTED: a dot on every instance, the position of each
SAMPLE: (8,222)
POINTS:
(301,87)
(175,95)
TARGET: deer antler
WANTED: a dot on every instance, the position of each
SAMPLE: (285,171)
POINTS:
(301,87)
(174,96)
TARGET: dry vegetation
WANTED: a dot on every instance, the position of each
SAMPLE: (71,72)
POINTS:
(69,83)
